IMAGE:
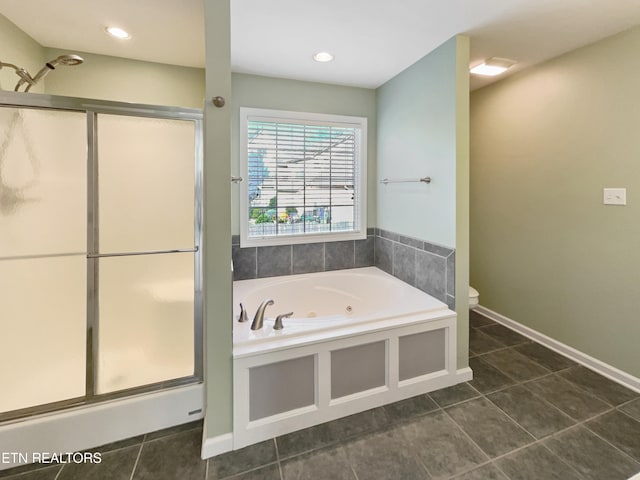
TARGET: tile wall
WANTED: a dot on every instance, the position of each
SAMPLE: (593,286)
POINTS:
(261,262)
(426,266)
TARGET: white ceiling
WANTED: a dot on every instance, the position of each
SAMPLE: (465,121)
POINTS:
(372,40)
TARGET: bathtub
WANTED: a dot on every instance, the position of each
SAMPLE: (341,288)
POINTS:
(358,339)
(327,305)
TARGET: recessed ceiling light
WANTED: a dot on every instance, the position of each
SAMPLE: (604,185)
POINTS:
(493,66)
(118,32)
(323,57)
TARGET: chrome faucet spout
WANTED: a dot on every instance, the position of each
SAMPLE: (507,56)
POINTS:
(259,317)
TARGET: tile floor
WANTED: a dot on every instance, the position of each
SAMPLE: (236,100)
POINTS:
(529,413)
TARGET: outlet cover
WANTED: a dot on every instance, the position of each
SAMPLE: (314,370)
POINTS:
(615,196)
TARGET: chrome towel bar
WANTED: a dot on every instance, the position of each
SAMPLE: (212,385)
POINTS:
(385,181)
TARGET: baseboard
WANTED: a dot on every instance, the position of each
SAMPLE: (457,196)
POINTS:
(464,374)
(216,445)
(582,358)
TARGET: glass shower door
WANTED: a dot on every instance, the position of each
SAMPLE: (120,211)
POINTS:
(145,255)
(43,230)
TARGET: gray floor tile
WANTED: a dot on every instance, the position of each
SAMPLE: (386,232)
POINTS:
(478,320)
(410,407)
(359,423)
(168,458)
(485,472)
(632,408)
(270,472)
(619,430)
(494,432)
(455,394)
(515,365)
(538,417)
(326,464)
(305,440)
(487,378)
(238,461)
(441,446)
(535,462)
(602,387)
(48,473)
(109,447)
(384,455)
(544,356)
(480,343)
(591,456)
(116,465)
(504,335)
(563,394)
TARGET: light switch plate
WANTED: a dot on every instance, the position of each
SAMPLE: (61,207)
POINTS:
(615,196)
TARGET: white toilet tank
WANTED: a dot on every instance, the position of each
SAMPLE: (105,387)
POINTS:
(473,298)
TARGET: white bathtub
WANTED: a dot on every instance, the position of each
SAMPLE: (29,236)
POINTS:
(336,303)
(358,339)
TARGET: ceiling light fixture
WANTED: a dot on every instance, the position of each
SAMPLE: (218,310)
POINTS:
(118,32)
(323,57)
(493,66)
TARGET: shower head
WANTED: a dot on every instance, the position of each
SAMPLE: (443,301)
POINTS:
(67,60)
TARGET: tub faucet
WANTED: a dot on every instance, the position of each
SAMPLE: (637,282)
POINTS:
(259,317)
(243,314)
(278,325)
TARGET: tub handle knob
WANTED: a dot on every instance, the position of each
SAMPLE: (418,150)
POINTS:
(243,314)
(278,325)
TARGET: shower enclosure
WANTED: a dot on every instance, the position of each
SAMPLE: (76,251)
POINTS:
(100,260)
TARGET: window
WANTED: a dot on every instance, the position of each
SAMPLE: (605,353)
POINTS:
(304,177)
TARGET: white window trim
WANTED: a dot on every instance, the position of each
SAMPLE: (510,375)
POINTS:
(360,186)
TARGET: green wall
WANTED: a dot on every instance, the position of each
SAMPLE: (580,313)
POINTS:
(545,251)
(100,76)
(217,227)
(20,49)
(423,119)
(417,138)
(120,79)
(280,94)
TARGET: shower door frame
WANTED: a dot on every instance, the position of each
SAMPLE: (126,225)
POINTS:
(92,108)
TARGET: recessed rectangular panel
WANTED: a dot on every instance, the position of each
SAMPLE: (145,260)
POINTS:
(43,336)
(43,182)
(146,177)
(281,387)
(146,320)
(356,369)
(422,353)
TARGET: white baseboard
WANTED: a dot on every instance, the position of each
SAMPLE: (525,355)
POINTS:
(588,361)
(216,445)
(464,374)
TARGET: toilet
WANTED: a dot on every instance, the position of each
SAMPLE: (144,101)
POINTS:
(473,298)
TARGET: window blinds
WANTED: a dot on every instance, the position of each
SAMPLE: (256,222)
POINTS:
(301,177)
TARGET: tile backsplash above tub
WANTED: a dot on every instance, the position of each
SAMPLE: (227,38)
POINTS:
(260,262)
(424,265)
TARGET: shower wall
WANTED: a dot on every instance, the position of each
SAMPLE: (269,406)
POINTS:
(20,49)
(98,235)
